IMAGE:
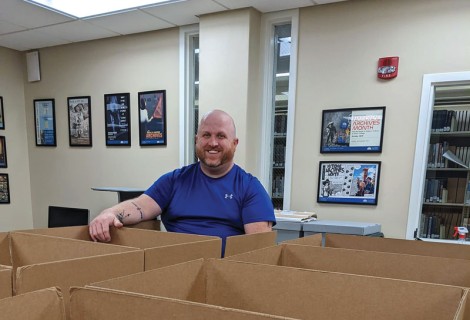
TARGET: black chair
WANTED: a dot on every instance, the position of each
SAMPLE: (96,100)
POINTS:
(66,217)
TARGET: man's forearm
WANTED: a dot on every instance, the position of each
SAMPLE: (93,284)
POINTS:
(128,212)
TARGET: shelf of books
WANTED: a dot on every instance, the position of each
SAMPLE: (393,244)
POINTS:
(446,200)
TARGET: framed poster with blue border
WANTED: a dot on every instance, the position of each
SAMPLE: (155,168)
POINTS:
(4,189)
(152,118)
(351,182)
(44,120)
(351,130)
(2,116)
(117,119)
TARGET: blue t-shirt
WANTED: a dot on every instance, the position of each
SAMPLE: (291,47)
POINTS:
(195,203)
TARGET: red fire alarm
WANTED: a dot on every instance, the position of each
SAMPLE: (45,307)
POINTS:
(388,68)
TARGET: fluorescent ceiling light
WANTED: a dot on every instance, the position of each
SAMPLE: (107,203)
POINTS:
(87,8)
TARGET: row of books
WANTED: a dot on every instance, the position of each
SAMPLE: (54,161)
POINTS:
(440,226)
(442,155)
(450,120)
(447,190)
(280,123)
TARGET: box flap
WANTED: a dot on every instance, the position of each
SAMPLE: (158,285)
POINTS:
(38,305)
(98,304)
(5,258)
(249,242)
(6,287)
(172,254)
(313,240)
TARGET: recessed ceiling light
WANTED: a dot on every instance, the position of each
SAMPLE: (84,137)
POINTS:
(87,8)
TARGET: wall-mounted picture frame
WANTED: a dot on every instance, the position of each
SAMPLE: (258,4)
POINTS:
(3,153)
(349,182)
(2,115)
(352,130)
(4,188)
(152,118)
(44,119)
(79,116)
(117,119)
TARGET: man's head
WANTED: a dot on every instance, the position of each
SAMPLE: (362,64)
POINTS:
(216,143)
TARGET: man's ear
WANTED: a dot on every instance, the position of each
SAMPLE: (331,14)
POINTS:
(235,141)
(195,139)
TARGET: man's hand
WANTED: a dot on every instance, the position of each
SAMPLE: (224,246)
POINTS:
(99,227)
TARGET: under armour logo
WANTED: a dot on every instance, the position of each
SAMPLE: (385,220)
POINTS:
(228,196)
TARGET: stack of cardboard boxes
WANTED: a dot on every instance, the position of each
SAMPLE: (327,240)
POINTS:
(146,274)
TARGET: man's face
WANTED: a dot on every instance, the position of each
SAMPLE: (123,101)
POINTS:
(216,142)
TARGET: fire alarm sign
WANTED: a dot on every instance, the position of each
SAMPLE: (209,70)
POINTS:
(388,68)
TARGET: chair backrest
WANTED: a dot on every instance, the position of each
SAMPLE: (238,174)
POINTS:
(66,217)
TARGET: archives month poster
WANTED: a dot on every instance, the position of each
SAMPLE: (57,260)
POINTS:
(352,130)
(348,182)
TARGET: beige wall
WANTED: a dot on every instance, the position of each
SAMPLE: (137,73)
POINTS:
(64,175)
(17,214)
(339,45)
(229,55)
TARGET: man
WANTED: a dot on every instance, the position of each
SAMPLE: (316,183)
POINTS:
(212,197)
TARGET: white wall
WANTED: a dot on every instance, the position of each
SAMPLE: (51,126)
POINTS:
(17,214)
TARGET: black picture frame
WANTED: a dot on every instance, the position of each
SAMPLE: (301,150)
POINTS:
(3,153)
(349,182)
(4,189)
(117,119)
(44,119)
(352,130)
(2,115)
(152,118)
(79,116)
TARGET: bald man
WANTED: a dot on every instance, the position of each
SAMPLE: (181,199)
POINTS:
(212,197)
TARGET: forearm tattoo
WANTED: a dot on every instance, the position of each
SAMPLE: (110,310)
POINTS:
(121,216)
(140,210)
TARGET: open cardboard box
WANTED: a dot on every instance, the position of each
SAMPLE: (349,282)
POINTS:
(422,248)
(6,288)
(37,305)
(437,270)
(293,292)
(40,261)
(167,248)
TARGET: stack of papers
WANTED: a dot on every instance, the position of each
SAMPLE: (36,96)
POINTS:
(295,216)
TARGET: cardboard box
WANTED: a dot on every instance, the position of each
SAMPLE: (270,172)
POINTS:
(437,270)
(40,261)
(295,293)
(249,242)
(6,288)
(415,247)
(341,227)
(101,304)
(37,305)
(160,248)
(5,258)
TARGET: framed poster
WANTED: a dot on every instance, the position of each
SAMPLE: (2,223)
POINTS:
(352,182)
(44,119)
(152,117)
(117,117)
(2,116)
(79,114)
(3,153)
(352,130)
(4,189)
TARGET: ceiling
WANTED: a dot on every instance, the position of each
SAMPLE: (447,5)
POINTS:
(24,26)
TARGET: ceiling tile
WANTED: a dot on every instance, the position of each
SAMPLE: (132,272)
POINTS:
(77,31)
(30,16)
(7,27)
(130,22)
(30,39)
(185,12)
(266,5)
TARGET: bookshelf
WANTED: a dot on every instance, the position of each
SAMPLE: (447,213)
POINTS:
(446,185)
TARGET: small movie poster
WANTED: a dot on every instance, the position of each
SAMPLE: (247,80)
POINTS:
(152,117)
(117,117)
